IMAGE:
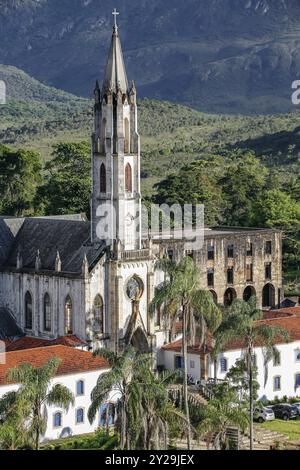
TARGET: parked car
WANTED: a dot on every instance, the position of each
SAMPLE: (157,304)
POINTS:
(264,413)
(285,411)
(298,407)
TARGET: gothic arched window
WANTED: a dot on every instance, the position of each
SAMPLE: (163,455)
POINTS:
(102,178)
(98,315)
(127,137)
(28,311)
(128,178)
(47,313)
(68,316)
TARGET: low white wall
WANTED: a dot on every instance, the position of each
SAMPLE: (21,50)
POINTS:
(69,417)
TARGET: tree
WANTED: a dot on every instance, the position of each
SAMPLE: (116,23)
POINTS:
(196,183)
(14,413)
(20,176)
(237,377)
(277,209)
(151,407)
(117,380)
(35,390)
(221,412)
(180,295)
(243,181)
(241,323)
(67,186)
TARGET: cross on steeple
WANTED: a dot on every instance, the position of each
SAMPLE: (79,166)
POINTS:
(115,13)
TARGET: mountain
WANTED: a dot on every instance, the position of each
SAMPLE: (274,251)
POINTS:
(37,117)
(221,56)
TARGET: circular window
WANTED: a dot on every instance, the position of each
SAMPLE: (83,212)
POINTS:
(134,288)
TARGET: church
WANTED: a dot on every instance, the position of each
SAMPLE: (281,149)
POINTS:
(60,278)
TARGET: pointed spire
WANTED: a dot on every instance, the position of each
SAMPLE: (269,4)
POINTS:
(85,266)
(115,73)
(57,262)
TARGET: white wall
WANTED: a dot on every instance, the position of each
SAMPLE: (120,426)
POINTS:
(287,370)
(193,360)
(69,418)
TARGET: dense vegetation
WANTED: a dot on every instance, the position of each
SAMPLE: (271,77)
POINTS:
(244,169)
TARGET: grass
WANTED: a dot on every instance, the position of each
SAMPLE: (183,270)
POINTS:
(291,429)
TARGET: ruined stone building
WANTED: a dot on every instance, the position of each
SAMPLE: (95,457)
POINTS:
(58,277)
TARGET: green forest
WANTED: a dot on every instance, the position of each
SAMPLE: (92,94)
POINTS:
(244,169)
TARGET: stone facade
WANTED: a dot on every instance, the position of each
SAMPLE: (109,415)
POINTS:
(254,257)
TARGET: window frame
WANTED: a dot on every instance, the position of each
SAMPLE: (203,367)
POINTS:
(230,272)
(230,251)
(210,252)
(268,271)
(68,318)
(61,420)
(83,386)
(210,277)
(28,326)
(249,249)
(223,360)
(268,247)
(80,408)
(47,316)
(249,272)
(276,389)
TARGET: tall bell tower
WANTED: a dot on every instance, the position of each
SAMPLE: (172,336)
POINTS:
(116,197)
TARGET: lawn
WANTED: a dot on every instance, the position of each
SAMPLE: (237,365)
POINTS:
(290,428)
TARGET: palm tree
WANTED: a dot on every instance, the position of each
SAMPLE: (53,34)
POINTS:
(222,411)
(151,406)
(14,412)
(117,380)
(35,390)
(181,294)
(241,323)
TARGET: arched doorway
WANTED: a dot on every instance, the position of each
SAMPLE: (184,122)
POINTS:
(214,296)
(268,296)
(139,341)
(248,293)
(229,297)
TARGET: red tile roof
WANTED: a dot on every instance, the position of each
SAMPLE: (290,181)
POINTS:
(72,360)
(27,342)
(289,323)
(177,347)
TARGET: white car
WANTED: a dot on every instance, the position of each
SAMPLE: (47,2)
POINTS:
(262,414)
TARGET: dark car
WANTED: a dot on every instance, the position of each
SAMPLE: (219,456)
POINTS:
(285,411)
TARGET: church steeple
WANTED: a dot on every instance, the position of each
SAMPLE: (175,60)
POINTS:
(115,77)
(116,154)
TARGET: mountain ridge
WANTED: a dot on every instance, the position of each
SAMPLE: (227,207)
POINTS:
(225,56)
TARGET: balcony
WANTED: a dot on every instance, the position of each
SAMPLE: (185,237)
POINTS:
(135,255)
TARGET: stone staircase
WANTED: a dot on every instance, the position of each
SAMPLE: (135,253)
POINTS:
(263,439)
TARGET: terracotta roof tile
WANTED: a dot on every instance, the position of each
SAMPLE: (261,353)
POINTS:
(72,360)
(289,323)
(27,342)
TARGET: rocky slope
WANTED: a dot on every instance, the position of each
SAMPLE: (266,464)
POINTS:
(218,56)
